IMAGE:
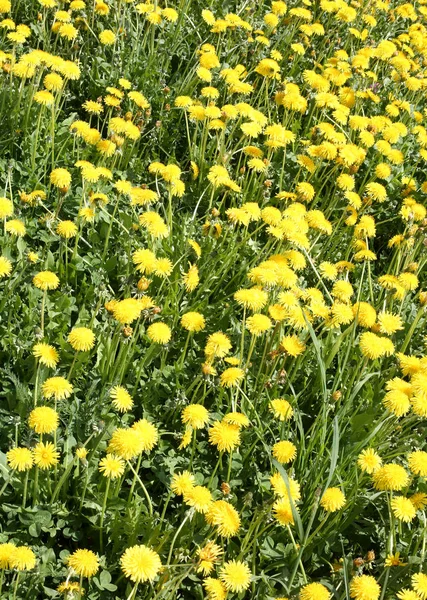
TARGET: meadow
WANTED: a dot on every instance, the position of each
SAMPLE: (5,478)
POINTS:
(213,379)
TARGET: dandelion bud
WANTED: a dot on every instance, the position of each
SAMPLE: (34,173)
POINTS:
(423,298)
(225,488)
(143,284)
(336,396)
(128,116)
(413,267)
(127,331)
(358,562)
(215,212)
(370,556)
(158,124)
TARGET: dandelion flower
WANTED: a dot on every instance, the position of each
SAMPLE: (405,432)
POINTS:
(284,451)
(45,455)
(292,345)
(126,443)
(81,339)
(121,399)
(314,591)
(126,311)
(224,436)
(390,477)
(43,420)
(6,551)
(419,584)
(22,558)
(236,418)
(6,208)
(258,324)
(236,576)
(282,409)
(159,333)
(195,415)
(46,280)
(403,509)
(84,562)
(369,461)
(60,178)
(218,345)
(215,589)
(231,376)
(332,500)
(193,321)
(140,563)
(5,267)
(20,459)
(182,482)
(364,587)
(148,433)
(15,227)
(57,387)
(224,517)
(199,497)
(66,229)
(112,466)
(417,462)
(46,354)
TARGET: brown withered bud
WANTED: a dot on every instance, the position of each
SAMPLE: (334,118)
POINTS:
(268,183)
(423,298)
(225,488)
(242,170)
(157,310)
(358,562)
(370,556)
(166,90)
(158,124)
(167,107)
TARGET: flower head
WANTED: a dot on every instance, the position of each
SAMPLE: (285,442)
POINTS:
(364,587)
(47,355)
(20,459)
(195,415)
(81,339)
(43,420)
(140,563)
(84,562)
(121,399)
(112,466)
(314,591)
(225,517)
(159,333)
(224,436)
(332,500)
(236,576)
(45,455)
(57,387)
(22,558)
(46,280)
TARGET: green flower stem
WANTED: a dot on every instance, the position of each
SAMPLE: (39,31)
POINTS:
(42,312)
(104,506)
(24,495)
(412,329)
(15,587)
(36,383)
(144,489)
(80,587)
(35,486)
(175,537)
(184,351)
